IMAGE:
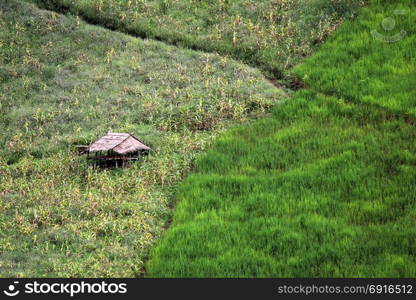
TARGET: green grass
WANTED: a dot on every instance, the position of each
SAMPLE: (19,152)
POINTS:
(63,83)
(355,65)
(326,187)
(323,188)
(271,35)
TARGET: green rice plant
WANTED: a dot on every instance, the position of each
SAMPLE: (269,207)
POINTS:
(326,187)
(367,61)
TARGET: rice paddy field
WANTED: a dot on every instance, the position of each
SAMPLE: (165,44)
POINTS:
(246,179)
(370,60)
(325,187)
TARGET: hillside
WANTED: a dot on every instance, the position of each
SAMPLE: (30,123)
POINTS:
(246,179)
(326,187)
(271,35)
(64,83)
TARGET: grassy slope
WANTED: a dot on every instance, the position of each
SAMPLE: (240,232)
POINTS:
(356,66)
(63,83)
(325,187)
(272,35)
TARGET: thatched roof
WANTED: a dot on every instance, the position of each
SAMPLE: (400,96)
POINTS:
(121,143)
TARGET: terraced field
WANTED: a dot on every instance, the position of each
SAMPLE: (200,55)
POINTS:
(323,188)
(326,187)
(324,184)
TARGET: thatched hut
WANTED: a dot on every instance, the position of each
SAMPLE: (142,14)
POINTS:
(115,149)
